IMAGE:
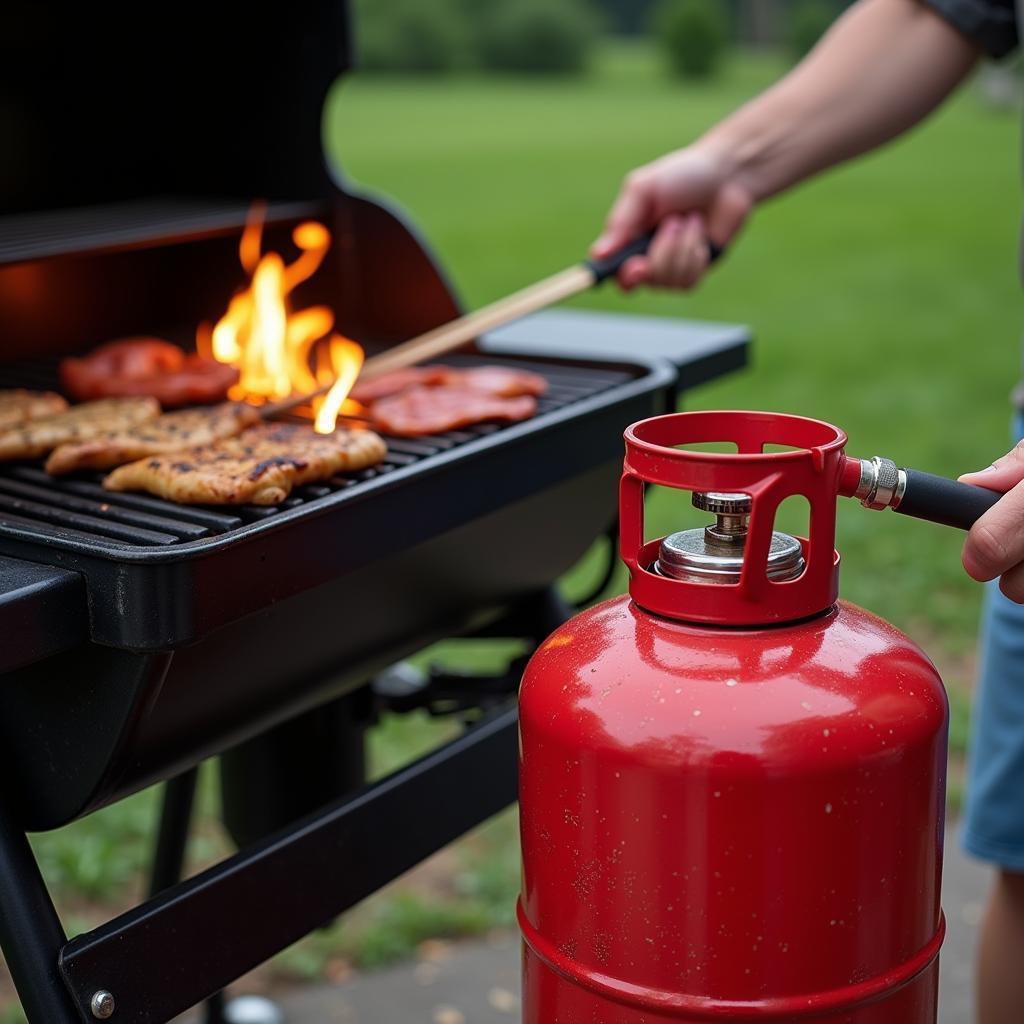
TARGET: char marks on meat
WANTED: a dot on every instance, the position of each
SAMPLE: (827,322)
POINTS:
(257,467)
(34,438)
(168,433)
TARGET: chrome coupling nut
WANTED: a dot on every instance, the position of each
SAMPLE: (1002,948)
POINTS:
(882,483)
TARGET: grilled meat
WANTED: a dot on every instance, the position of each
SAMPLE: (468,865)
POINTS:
(20,405)
(433,410)
(391,383)
(147,366)
(33,438)
(168,433)
(504,381)
(258,467)
(501,381)
(425,400)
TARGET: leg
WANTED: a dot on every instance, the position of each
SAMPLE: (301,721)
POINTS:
(175,815)
(169,856)
(30,931)
(994,817)
(1000,980)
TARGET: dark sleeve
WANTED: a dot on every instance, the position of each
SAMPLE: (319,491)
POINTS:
(992,24)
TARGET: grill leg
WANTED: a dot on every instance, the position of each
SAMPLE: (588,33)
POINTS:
(277,777)
(169,855)
(175,815)
(31,935)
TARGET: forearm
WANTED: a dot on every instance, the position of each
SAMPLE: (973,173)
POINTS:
(882,68)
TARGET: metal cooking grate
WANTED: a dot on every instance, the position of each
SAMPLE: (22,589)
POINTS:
(79,508)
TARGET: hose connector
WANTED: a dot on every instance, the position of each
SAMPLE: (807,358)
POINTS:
(882,483)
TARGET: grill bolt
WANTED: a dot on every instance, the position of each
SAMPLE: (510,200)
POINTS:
(102,1004)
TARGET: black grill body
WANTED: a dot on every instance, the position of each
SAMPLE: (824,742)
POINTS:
(213,638)
(140,637)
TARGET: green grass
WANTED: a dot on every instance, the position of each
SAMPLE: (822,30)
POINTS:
(884,298)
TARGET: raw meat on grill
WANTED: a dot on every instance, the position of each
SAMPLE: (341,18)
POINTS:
(19,405)
(34,438)
(258,467)
(171,432)
(433,410)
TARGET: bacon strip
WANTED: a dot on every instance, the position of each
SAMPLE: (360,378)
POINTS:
(433,410)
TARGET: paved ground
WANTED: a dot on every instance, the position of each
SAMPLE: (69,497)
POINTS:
(478,983)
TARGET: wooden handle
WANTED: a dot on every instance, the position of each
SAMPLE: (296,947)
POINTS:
(453,335)
(450,336)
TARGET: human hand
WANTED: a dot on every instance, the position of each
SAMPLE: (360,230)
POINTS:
(995,545)
(693,198)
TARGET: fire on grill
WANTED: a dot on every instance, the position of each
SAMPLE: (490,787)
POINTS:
(279,351)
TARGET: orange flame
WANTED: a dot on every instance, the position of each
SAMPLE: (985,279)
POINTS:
(273,346)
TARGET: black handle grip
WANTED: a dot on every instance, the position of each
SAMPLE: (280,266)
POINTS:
(940,500)
(609,266)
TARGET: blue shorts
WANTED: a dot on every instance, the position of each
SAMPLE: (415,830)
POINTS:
(993,826)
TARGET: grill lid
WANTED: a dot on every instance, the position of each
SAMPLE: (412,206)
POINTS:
(143,112)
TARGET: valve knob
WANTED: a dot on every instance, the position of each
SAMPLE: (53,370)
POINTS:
(719,503)
(732,511)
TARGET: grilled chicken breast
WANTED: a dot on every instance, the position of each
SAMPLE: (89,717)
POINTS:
(19,405)
(168,433)
(33,438)
(258,467)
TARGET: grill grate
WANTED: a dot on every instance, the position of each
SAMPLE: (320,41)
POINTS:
(78,508)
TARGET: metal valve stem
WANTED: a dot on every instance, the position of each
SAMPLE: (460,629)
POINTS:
(882,483)
(732,512)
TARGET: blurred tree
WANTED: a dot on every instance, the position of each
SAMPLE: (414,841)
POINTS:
(542,36)
(626,17)
(761,22)
(411,35)
(768,22)
(808,22)
(693,34)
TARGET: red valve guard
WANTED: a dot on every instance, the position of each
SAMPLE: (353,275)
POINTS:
(812,468)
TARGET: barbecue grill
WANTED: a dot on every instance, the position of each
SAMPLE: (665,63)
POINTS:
(141,637)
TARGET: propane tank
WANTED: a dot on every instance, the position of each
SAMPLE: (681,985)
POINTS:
(731,786)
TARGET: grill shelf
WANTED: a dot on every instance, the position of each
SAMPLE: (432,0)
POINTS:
(79,508)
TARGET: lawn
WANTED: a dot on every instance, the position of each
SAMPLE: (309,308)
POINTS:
(884,298)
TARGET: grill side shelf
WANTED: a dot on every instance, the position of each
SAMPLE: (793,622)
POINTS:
(42,612)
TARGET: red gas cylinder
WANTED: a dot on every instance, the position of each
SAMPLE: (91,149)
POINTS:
(731,786)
